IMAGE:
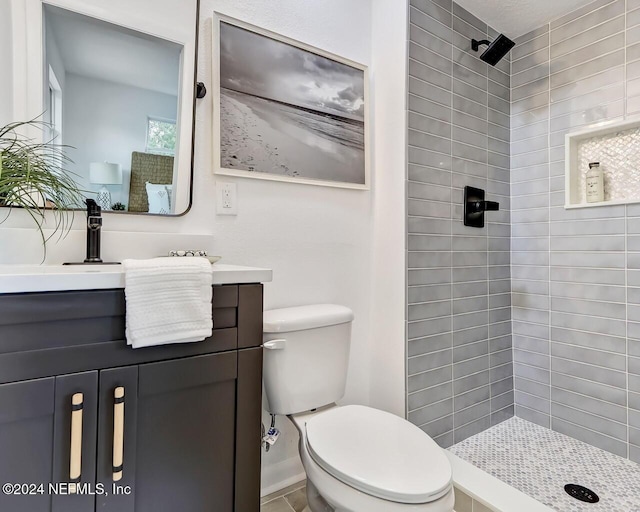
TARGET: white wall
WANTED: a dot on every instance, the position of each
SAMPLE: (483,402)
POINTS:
(106,122)
(387,343)
(324,244)
(6,62)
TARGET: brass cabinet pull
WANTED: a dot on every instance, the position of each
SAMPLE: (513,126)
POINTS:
(75,455)
(118,433)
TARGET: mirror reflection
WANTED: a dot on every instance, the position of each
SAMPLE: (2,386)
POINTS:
(113,95)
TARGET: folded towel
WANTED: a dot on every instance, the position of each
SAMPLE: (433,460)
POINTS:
(168,300)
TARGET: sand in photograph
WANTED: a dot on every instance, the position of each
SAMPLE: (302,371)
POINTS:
(265,136)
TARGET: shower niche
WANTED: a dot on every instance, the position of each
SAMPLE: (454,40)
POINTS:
(616,146)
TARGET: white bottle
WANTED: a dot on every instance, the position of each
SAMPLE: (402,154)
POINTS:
(595,183)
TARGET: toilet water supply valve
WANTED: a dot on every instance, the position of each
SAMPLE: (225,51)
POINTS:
(272,435)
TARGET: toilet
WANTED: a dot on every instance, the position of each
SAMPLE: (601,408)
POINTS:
(357,459)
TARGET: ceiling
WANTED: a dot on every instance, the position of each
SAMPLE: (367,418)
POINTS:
(514,18)
(96,49)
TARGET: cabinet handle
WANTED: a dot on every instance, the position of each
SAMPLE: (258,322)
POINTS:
(118,433)
(75,456)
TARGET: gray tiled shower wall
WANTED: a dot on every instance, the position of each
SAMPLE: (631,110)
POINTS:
(459,305)
(576,273)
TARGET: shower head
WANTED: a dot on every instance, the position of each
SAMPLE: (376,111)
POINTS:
(498,49)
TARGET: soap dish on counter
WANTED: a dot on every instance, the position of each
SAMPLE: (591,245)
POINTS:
(191,253)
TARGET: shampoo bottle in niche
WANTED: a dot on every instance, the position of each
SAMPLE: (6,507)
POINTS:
(595,183)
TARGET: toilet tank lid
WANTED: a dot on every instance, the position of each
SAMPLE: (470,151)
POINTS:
(305,317)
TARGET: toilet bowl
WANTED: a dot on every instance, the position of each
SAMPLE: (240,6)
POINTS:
(357,459)
(353,469)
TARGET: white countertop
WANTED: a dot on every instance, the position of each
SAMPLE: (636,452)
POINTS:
(50,278)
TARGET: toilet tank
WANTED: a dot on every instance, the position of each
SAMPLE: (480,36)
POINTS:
(306,356)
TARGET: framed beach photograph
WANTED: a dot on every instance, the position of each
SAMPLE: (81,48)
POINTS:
(287,111)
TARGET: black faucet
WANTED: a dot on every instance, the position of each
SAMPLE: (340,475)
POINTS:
(94,226)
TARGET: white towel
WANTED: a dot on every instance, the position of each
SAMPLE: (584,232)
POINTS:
(168,301)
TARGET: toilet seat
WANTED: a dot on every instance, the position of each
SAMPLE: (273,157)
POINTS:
(379,454)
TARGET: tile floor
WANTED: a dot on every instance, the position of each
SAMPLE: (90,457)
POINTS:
(539,462)
(289,499)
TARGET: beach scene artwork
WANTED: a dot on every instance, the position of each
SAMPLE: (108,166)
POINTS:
(289,113)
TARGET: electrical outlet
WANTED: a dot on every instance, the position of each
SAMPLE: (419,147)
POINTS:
(226,199)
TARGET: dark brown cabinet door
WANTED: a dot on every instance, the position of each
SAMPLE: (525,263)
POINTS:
(37,437)
(26,438)
(117,425)
(185,440)
(75,394)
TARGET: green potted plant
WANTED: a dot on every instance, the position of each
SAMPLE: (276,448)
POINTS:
(33,177)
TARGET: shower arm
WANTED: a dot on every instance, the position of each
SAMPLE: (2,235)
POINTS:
(475,44)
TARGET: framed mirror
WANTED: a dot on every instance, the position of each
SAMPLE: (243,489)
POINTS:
(118,89)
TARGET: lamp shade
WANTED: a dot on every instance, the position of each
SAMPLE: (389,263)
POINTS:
(104,173)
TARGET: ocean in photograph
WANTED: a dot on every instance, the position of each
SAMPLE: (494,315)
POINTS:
(268,136)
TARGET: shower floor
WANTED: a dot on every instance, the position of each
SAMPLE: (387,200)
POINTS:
(539,462)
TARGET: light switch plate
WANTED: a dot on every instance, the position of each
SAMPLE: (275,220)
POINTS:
(226,199)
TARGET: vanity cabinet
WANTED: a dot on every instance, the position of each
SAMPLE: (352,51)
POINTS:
(190,433)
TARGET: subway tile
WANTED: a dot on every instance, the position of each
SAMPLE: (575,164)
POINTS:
(429,58)
(589,372)
(591,437)
(528,344)
(435,11)
(429,327)
(426,22)
(532,402)
(427,141)
(530,89)
(437,343)
(597,33)
(526,47)
(429,379)
(428,310)
(427,74)
(589,340)
(425,189)
(590,421)
(466,59)
(431,412)
(471,398)
(464,368)
(428,362)
(428,91)
(470,77)
(429,243)
(560,32)
(439,427)
(429,396)
(578,13)
(429,108)
(587,53)
(596,390)
(472,414)
(590,84)
(426,40)
(471,429)
(536,417)
(590,356)
(531,372)
(470,382)
(531,387)
(589,404)
(429,183)
(586,69)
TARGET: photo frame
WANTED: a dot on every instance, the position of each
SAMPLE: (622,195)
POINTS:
(287,111)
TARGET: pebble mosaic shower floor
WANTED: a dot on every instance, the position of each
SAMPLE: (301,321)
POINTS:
(539,462)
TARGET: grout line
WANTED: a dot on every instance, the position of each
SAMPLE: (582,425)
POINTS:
(626,242)
(549,222)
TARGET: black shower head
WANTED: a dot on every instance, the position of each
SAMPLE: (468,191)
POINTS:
(498,49)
